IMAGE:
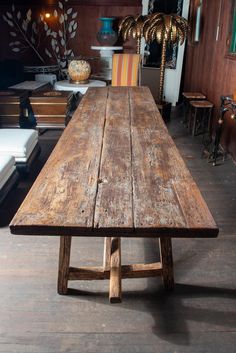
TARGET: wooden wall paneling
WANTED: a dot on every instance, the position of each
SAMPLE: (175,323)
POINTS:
(208,68)
(76,2)
(88,23)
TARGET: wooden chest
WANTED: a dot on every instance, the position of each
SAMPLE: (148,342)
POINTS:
(12,106)
(50,108)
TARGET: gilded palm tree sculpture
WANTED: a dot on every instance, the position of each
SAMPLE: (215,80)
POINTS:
(165,29)
(132,27)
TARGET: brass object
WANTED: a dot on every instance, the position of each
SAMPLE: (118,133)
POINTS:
(165,29)
(132,27)
(161,27)
(82,82)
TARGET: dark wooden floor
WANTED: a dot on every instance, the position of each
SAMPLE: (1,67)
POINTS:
(200,316)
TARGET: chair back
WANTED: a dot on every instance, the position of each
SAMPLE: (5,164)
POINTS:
(125,69)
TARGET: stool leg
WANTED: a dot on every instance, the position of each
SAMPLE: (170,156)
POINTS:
(167,263)
(185,111)
(190,115)
(64,262)
(115,271)
(194,122)
(209,120)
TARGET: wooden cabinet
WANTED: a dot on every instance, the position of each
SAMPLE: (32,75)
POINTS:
(12,105)
(51,109)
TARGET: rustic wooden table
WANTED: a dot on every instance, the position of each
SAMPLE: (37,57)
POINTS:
(114,173)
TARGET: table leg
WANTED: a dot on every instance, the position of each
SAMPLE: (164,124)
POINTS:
(107,254)
(167,263)
(64,262)
(115,271)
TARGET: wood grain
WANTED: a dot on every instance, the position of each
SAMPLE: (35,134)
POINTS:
(35,319)
(158,166)
(90,273)
(64,262)
(107,253)
(89,12)
(193,95)
(208,67)
(114,197)
(115,293)
(115,172)
(167,263)
(68,202)
(201,104)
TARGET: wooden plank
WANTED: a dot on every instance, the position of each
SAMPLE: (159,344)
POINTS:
(63,196)
(157,164)
(193,206)
(88,273)
(115,272)
(141,270)
(127,271)
(154,200)
(114,197)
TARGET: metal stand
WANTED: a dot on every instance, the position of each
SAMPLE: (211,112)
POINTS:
(227,105)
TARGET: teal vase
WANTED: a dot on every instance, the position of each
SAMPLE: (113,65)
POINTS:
(107,36)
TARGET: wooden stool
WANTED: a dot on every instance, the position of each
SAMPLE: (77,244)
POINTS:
(187,97)
(201,116)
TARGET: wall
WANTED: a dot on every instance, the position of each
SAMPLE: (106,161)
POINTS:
(208,68)
(88,24)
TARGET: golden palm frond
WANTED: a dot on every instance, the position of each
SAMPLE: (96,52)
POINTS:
(173,28)
(132,27)
(158,26)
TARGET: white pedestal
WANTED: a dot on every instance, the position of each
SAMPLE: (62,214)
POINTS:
(106,59)
(66,85)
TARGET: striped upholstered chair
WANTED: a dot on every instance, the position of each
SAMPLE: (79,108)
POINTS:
(125,69)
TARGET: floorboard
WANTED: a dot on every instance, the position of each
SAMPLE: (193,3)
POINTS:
(199,316)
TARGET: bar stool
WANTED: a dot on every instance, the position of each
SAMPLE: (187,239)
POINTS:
(187,97)
(200,117)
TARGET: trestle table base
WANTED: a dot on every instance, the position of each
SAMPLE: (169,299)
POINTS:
(112,268)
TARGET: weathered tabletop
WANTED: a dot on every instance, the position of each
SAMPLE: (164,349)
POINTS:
(115,171)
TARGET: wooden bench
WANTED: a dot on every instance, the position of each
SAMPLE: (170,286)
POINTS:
(114,173)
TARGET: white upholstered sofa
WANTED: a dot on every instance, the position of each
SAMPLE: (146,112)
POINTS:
(18,149)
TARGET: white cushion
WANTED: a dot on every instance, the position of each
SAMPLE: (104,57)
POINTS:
(7,167)
(18,142)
